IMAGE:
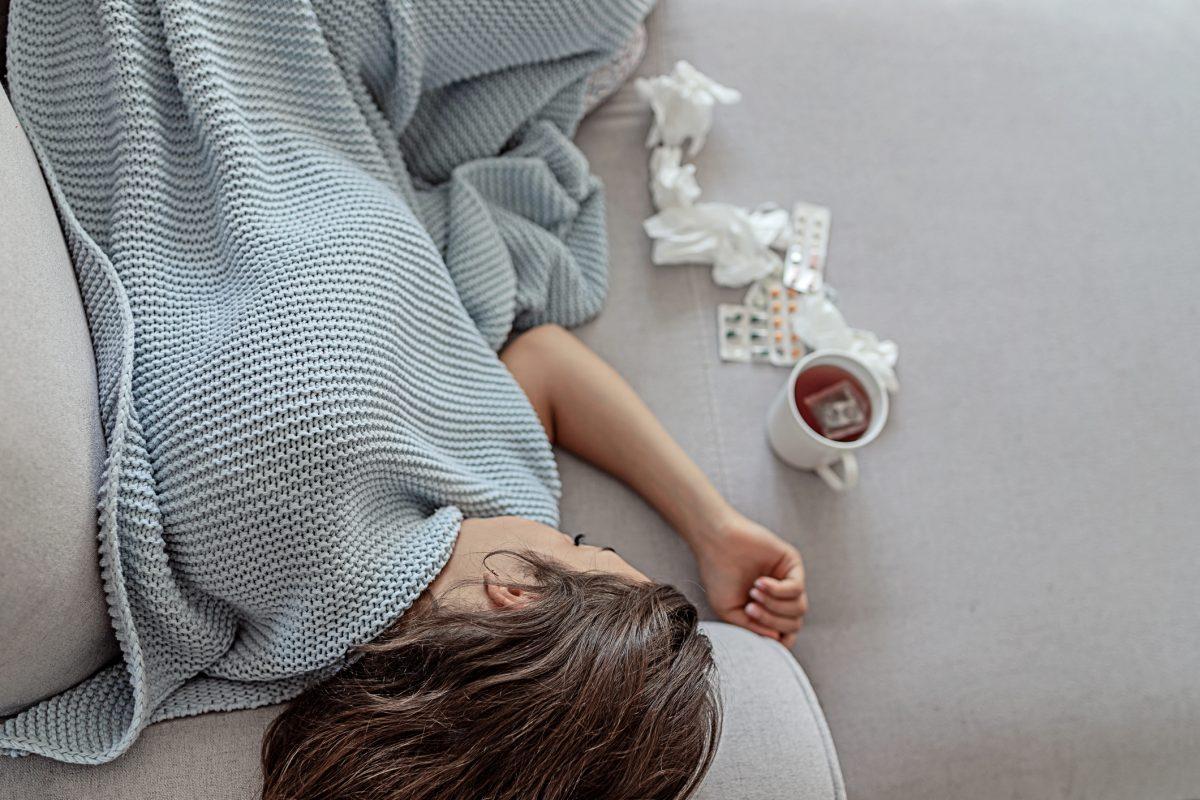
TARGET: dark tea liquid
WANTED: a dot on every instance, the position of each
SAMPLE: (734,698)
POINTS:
(813,380)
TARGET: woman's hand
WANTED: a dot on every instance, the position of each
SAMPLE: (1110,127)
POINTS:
(753,578)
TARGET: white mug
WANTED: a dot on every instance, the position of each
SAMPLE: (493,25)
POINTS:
(799,445)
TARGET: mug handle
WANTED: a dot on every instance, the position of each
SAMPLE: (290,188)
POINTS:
(849,477)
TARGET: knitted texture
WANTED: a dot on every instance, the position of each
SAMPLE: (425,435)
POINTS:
(301,231)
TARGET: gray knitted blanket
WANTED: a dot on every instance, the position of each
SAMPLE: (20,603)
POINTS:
(301,231)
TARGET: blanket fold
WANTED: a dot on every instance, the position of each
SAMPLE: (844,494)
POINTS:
(301,231)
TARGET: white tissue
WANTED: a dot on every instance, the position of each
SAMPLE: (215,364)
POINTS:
(735,241)
(774,225)
(682,102)
(672,183)
(819,323)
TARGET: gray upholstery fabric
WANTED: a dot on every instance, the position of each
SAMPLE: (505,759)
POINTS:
(776,744)
(1005,607)
(774,741)
(53,627)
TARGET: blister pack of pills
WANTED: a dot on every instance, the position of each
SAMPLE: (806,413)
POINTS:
(804,261)
(742,333)
(771,298)
(758,330)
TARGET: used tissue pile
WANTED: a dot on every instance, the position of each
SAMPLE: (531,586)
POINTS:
(781,255)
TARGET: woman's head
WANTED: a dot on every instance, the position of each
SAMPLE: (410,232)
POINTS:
(572,684)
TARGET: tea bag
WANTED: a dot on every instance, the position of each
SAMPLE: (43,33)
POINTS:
(840,410)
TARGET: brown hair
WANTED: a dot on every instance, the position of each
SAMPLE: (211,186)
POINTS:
(600,687)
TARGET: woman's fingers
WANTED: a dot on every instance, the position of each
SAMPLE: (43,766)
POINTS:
(789,588)
(797,607)
(777,622)
(780,603)
(740,618)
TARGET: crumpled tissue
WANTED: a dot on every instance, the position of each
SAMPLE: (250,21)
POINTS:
(682,102)
(672,183)
(820,324)
(735,241)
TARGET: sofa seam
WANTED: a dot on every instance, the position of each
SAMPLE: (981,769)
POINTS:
(706,368)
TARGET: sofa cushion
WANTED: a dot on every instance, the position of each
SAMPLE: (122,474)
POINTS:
(54,627)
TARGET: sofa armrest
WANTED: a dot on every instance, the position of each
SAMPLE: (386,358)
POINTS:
(53,621)
(775,744)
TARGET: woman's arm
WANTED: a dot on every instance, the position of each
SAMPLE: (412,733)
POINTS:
(753,578)
(589,409)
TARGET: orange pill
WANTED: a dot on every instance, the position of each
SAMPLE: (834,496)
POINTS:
(776,306)
(795,352)
(778,322)
(778,336)
(791,306)
(774,291)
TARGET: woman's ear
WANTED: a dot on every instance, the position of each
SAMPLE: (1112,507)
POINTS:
(501,596)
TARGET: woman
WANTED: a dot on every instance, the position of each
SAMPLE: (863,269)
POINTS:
(302,235)
(537,665)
